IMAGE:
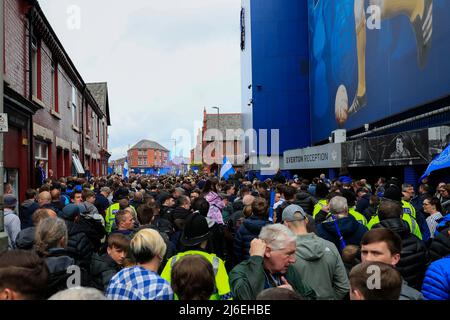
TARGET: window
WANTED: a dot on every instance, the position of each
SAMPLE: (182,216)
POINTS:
(34,62)
(94,123)
(97,129)
(145,161)
(41,153)
(89,116)
(74,107)
(54,86)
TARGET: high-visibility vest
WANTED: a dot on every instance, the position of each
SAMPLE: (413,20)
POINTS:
(413,225)
(110,216)
(222,291)
(318,207)
(358,216)
(408,208)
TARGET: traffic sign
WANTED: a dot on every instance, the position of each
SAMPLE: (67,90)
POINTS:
(3,122)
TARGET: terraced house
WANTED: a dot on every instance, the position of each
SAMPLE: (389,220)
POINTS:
(53,114)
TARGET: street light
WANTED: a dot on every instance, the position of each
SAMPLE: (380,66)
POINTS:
(218,129)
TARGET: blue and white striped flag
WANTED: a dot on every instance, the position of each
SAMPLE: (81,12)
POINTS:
(227,169)
(126,173)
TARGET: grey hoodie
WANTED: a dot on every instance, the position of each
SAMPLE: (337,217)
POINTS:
(321,267)
(90,210)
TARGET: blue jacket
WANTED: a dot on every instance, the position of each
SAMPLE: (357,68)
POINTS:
(436,285)
(248,231)
(351,230)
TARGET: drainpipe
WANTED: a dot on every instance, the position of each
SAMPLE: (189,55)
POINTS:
(3,235)
(30,95)
(83,100)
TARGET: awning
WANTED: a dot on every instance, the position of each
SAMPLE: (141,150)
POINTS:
(77,164)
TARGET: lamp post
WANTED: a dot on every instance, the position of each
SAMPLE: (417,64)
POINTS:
(175,152)
(218,129)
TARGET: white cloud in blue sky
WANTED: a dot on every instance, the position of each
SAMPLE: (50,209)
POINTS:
(163,61)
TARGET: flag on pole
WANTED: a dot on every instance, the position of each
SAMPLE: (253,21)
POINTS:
(272,202)
(227,169)
(126,173)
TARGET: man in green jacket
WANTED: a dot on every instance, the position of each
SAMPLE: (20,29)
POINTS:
(270,265)
(318,261)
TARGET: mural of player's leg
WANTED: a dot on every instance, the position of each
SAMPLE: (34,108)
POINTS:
(419,12)
(360,99)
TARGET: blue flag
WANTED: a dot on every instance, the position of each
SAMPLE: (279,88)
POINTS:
(272,202)
(226,170)
(125,173)
(442,161)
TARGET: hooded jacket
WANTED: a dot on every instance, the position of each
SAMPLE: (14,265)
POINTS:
(363,203)
(306,201)
(179,216)
(436,285)
(248,231)
(351,230)
(321,267)
(414,255)
(439,248)
(58,262)
(26,211)
(79,246)
(103,268)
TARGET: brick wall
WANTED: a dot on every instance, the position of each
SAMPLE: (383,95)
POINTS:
(16,46)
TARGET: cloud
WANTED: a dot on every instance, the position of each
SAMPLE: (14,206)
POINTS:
(164,61)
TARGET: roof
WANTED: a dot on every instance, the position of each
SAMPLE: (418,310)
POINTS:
(120,160)
(99,91)
(230,121)
(148,144)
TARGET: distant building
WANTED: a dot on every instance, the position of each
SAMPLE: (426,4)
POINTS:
(210,150)
(146,156)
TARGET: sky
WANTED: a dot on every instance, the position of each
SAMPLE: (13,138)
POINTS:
(164,62)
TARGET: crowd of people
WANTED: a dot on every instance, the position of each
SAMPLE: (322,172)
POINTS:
(195,237)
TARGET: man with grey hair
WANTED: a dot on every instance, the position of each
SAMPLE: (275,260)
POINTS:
(341,228)
(318,261)
(270,266)
(79,293)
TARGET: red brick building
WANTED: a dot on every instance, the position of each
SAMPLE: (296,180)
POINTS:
(147,154)
(53,114)
(229,144)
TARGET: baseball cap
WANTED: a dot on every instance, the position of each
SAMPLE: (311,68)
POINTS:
(70,212)
(289,213)
(9,200)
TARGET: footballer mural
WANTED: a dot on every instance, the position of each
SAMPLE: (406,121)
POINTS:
(371,59)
